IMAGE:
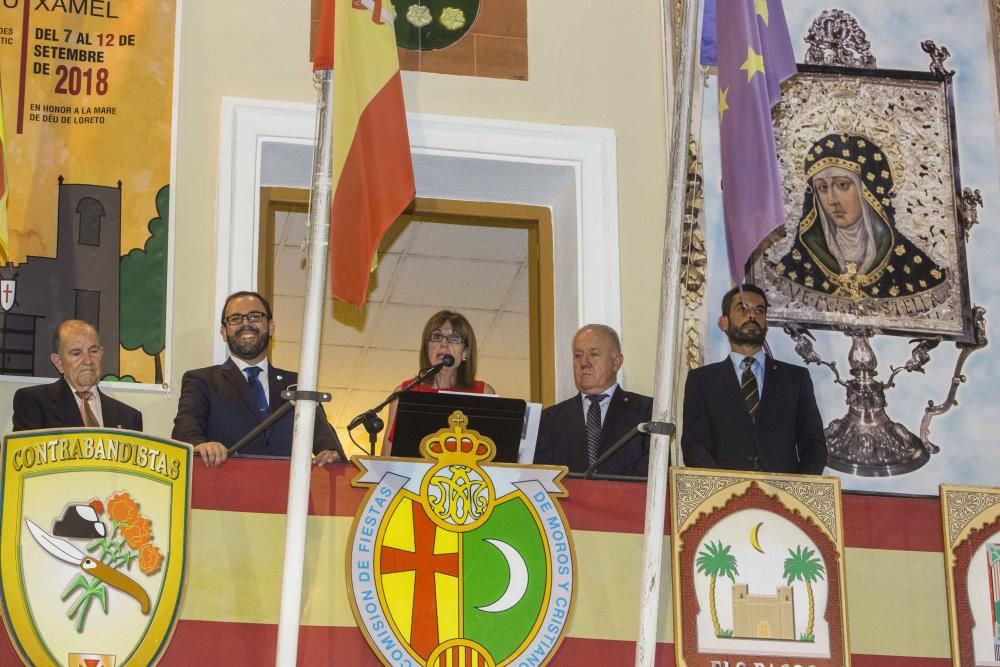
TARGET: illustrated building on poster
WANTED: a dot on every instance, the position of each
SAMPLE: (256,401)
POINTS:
(80,282)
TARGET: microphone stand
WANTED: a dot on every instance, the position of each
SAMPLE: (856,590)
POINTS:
(664,428)
(370,419)
(289,395)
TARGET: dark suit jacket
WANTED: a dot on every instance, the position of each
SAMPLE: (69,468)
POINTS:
(54,406)
(562,435)
(217,405)
(719,433)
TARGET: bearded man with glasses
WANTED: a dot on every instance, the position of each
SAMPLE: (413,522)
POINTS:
(751,411)
(220,404)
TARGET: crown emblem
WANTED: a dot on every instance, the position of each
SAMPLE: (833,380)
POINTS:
(456,492)
(458,445)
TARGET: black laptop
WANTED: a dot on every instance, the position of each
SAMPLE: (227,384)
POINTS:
(419,414)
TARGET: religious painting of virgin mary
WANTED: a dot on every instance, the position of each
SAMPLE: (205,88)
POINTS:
(847,243)
(873,236)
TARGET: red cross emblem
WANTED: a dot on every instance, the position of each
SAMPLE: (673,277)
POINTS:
(425,564)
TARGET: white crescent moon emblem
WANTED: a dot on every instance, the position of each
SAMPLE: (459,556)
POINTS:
(518,579)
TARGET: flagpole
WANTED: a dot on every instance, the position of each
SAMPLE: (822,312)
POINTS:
(669,340)
(305,410)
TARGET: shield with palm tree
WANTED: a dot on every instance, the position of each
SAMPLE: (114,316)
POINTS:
(803,564)
(717,560)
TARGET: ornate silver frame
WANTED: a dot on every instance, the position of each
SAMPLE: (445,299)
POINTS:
(910,115)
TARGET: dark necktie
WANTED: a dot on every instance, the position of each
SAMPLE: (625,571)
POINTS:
(257,388)
(89,419)
(594,426)
(749,389)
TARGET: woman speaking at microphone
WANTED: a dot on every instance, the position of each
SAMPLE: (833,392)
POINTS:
(446,334)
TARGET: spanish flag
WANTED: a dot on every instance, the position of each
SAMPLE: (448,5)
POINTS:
(372,167)
(4,247)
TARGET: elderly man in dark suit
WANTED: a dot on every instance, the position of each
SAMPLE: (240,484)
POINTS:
(220,404)
(749,411)
(74,399)
(577,431)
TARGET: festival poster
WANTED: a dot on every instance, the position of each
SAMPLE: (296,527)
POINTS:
(88,93)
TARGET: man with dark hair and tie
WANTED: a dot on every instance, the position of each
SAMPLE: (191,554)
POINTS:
(74,399)
(577,431)
(749,411)
(221,404)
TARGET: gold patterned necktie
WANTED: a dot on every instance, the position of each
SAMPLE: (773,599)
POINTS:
(749,389)
(89,419)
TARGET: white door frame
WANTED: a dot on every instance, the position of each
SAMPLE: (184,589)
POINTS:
(571,170)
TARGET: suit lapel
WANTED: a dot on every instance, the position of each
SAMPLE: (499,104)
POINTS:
(236,378)
(108,415)
(770,395)
(576,433)
(276,383)
(64,403)
(727,378)
(618,404)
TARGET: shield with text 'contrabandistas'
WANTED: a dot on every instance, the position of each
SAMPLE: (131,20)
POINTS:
(93,536)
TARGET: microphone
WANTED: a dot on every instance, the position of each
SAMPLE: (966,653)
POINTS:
(447,361)
(370,417)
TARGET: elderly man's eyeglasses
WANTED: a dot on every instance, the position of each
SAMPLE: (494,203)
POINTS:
(438,337)
(237,319)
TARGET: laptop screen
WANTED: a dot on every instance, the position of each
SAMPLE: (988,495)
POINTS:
(419,414)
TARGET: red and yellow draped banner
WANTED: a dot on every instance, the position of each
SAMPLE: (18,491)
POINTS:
(897,606)
(372,167)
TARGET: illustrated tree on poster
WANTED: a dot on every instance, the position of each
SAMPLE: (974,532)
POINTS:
(803,565)
(716,560)
(144,289)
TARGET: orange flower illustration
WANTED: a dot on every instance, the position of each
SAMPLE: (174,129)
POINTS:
(150,559)
(138,532)
(122,509)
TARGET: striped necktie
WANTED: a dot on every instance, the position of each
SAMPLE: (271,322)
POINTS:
(749,389)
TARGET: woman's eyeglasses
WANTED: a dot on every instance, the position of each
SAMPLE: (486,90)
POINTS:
(438,337)
(237,319)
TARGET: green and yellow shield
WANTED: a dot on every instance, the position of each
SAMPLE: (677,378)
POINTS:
(93,537)
(456,562)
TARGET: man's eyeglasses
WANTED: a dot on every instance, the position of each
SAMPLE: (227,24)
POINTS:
(237,319)
(438,337)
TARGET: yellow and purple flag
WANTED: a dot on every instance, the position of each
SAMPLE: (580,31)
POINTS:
(754,57)
(372,167)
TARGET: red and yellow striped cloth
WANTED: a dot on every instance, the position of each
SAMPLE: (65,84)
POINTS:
(896,590)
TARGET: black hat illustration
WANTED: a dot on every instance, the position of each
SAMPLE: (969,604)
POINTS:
(79,521)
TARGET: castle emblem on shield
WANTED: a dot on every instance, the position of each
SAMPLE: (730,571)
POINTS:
(455,560)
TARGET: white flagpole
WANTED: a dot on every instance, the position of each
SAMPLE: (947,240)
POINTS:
(305,410)
(667,352)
